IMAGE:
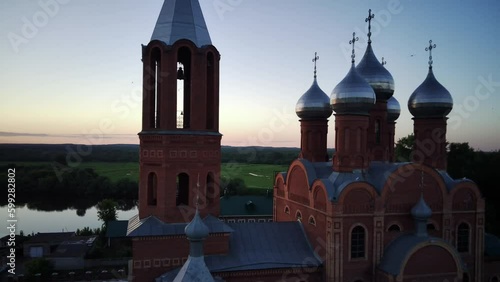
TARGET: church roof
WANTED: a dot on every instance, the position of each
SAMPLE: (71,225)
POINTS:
(376,174)
(181,19)
(491,245)
(246,205)
(254,246)
(396,252)
(152,226)
(259,246)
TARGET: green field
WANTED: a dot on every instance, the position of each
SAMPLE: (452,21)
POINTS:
(254,175)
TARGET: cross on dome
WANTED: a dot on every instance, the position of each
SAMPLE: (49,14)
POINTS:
(352,41)
(369,20)
(431,46)
(316,58)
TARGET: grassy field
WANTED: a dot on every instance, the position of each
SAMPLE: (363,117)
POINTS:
(254,175)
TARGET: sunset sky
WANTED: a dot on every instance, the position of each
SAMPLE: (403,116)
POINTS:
(71,69)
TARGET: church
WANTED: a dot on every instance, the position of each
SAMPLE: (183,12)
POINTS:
(356,216)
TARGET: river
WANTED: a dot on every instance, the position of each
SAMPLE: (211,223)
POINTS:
(53,221)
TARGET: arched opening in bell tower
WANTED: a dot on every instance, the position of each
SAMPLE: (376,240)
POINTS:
(183,108)
(210,188)
(182,193)
(210,92)
(155,100)
(152,188)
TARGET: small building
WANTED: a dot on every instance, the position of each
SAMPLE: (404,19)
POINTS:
(43,244)
(71,253)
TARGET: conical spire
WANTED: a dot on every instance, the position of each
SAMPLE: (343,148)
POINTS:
(181,19)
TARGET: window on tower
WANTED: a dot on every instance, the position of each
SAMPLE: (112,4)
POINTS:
(358,242)
(210,106)
(463,238)
(183,87)
(155,88)
(377,131)
(182,193)
(210,188)
(152,188)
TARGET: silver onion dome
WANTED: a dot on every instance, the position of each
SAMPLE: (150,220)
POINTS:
(376,75)
(313,104)
(430,99)
(353,95)
(393,109)
(421,210)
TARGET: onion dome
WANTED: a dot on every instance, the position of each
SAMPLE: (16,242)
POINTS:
(196,229)
(314,104)
(376,75)
(430,99)
(421,210)
(353,95)
(393,109)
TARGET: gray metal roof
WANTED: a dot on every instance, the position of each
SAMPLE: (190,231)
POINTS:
(181,19)
(152,226)
(396,252)
(376,175)
(491,245)
(262,245)
(258,246)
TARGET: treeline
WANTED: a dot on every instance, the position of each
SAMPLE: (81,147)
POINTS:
(41,188)
(71,153)
(67,153)
(261,155)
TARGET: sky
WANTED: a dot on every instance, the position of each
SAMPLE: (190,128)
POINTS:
(69,65)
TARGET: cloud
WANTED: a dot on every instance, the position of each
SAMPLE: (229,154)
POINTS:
(17,134)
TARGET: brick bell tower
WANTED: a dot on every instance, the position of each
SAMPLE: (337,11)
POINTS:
(180,139)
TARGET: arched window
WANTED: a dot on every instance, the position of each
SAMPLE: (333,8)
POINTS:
(184,88)
(394,228)
(210,188)
(312,221)
(152,188)
(377,131)
(431,227)
(182,194)
(298,215)
(358,242)
(287,210)
(463,238)
(210,106)
(155,97)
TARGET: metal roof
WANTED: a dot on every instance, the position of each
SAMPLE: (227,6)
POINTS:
(491,245)
(376,175)
(181,19)
(152,226)
(255,246)
(242,205)
(396,252)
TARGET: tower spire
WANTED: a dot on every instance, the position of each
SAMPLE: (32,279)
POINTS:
(314,60)
(352,41)
(369,20)
(431,46)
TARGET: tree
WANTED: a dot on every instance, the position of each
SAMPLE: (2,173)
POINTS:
(403,149)
(106,211)
(38,266)
(461,160)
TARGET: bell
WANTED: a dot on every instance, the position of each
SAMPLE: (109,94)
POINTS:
(180,74)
